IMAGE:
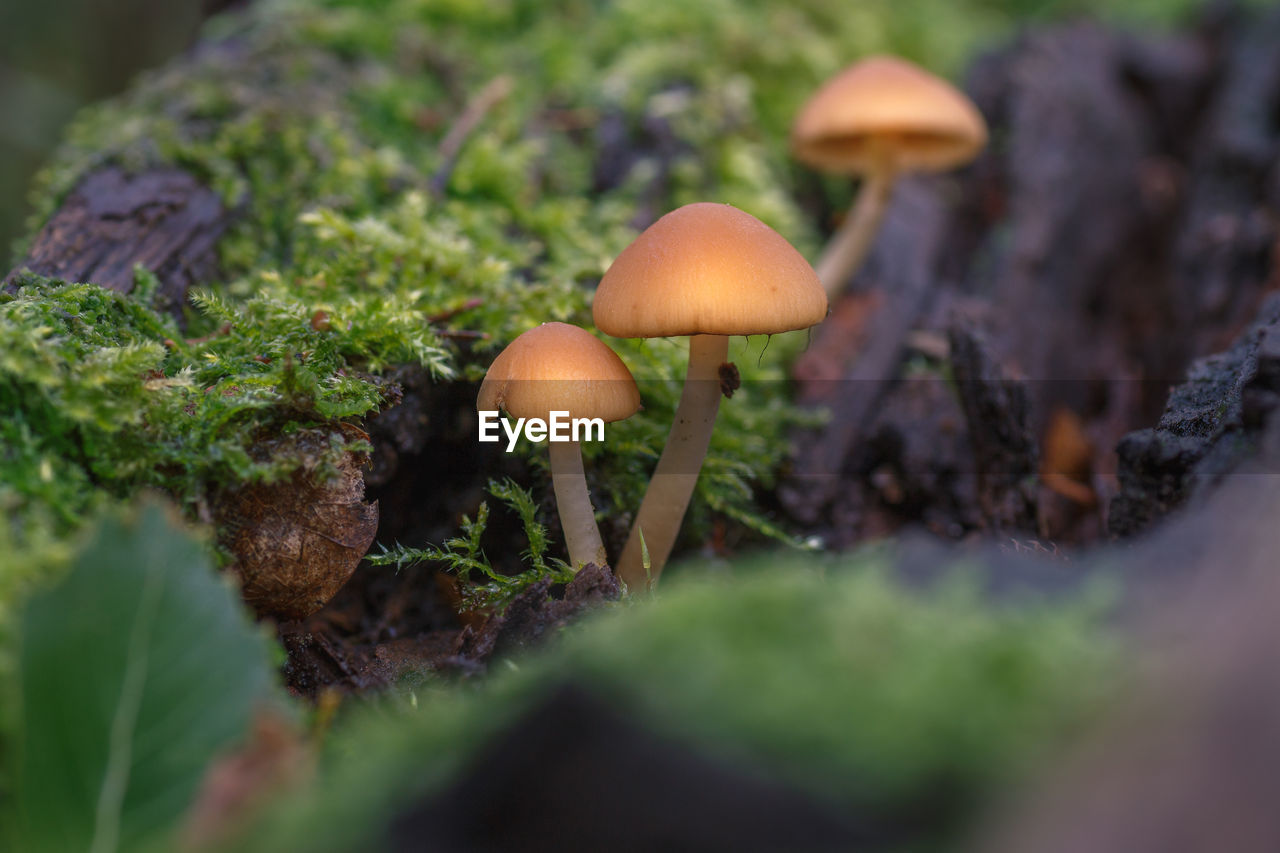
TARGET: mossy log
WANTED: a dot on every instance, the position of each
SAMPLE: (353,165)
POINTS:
(296,543)
(1123,224)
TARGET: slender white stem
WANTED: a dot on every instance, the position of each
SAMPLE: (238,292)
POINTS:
(665,501)
(577,517)
(848,247)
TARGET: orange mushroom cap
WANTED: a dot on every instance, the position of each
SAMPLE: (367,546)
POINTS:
(884,108)
(708,269)
(562,368)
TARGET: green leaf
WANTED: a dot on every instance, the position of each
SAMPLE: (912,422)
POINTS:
(134,672)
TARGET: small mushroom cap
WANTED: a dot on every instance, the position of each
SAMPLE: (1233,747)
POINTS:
(561,368)
(708,269)
(884,108)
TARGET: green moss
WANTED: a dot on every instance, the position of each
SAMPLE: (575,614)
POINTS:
(916,705)
(108,389)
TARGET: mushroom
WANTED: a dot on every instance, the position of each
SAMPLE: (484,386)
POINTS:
(707,271)
(878,118)
(558,368)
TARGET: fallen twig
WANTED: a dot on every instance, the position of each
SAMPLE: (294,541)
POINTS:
(493,93)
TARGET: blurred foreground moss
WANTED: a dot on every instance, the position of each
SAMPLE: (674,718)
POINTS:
(913,706)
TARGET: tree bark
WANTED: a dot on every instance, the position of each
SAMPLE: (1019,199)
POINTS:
(1123,223)
(164,220)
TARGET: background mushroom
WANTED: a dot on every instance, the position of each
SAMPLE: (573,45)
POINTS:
(557,367)
(878,118)
(707,271)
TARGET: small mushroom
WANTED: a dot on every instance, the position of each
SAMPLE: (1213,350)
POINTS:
(556,367)
(879,118)
(707,271)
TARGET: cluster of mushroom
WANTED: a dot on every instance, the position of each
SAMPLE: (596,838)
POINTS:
(708,271)
(705,271)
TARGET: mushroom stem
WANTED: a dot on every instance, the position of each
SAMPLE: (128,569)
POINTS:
(577,517)
(849,245)
(665,501)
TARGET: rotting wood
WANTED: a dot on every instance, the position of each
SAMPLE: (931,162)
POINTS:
(1209,428)
(1124,170)
(901,265)
(1004,448)
(163,219)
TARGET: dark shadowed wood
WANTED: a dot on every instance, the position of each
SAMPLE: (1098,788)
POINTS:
(1225,245)
(1004,448)
(902,265)
(1209,428)
(1122,223)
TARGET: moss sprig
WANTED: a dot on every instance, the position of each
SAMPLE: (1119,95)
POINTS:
(487,587)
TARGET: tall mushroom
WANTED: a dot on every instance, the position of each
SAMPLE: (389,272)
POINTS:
(556,367)
(879,118)
(707,271)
